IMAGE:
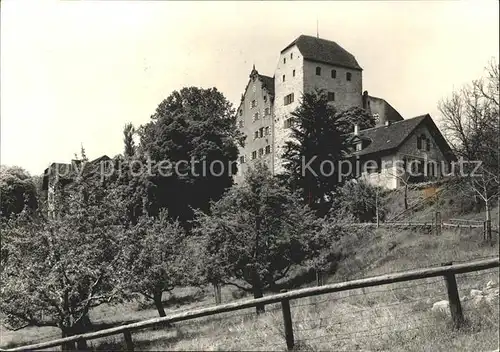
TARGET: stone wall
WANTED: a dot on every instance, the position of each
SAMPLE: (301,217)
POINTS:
(289,61)
(347,93)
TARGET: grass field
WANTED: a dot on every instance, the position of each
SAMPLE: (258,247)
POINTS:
(394,317)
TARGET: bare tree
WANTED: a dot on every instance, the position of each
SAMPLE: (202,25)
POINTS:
(471,125)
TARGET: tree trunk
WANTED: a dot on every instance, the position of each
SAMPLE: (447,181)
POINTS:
(217,293)
(67,346)
(319,278)
(498,210)
(158,303)
(82,327)
(406,196)
(257,290)
(488,220)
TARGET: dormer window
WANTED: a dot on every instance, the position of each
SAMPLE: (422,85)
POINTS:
(318,71)
(348,76)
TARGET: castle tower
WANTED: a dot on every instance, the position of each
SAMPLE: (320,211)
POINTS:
(306,64)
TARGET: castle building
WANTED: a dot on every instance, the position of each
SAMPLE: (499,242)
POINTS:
(306,64)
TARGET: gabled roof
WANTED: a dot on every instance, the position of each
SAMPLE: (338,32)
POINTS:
(268,83)
(325,51)
(387,138)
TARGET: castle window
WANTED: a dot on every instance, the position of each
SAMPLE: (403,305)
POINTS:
(268,149)
(283,78)
(254,155)
(256,116)
(256,134)
(284,60)
(241,123)
(261,152)
(287,123)
(288,99)
(266,112)
(334,73)
(261,132)
(254,103)
(267,131)
(291,56)
(318,71)
(265,97)
(241,112)
(420,143)
(242,159)
(331,96)
(348,76)
(293,73)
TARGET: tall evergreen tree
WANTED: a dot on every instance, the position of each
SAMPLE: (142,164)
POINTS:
(312,155)
(128,140)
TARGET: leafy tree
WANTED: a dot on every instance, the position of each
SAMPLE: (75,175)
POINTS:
(156,260)
(17,191)
(58,269)
(192,130)
(133,188)
(255,233)
(317,144)
(362,200)
(355,116)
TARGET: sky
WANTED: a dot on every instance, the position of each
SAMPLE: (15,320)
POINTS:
(74,72)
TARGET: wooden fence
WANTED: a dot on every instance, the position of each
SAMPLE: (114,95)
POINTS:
(447,271)
(436,224)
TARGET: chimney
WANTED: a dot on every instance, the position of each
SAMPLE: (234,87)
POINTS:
(356,129)
(364,99)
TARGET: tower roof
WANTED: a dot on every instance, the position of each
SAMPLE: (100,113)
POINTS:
(324,51)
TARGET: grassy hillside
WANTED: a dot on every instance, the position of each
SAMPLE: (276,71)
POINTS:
(394,317)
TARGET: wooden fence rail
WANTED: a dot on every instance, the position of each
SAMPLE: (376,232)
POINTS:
(447,271)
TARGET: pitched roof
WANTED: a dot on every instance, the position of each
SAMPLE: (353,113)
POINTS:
(268,82)
(325,51)
(386,138)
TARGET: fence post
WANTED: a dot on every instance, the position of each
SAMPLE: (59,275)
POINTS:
(287,322)
(128,340)
(453,298)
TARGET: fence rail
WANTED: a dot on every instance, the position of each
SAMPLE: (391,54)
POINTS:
(447,271)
